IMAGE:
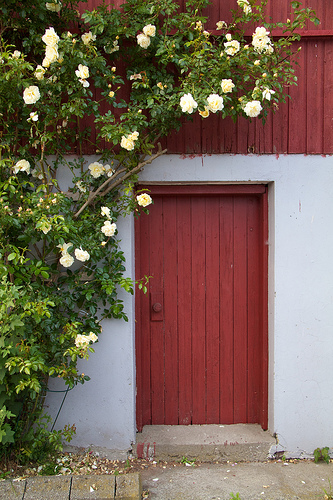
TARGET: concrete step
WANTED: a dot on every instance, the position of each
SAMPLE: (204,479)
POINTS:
(205,443)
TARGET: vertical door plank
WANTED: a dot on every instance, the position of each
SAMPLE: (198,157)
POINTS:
(223,11)
(263,306)
(243,133)
(138,316)
(211,143)
(328,106)
(170,310)
(226,310)
(280,129)
(213,308)
(184,308)
(229,135)
(198,310)
(175,141)
(298,105)
(240,310)
(264,135)
(315,97)
(142,266)
(254,325)
(156,327)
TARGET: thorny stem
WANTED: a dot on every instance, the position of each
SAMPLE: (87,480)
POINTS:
(41,161)
(136,169)
(93,195)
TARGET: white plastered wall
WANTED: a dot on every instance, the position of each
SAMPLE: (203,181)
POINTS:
(300,307)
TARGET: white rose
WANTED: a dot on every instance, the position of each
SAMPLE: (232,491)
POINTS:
(39,72)
(253,108)
(149,30)
(51,53)
(46,62)
(127,143)
(143,40)
(109,170)
(85,83)
(22,166)
(204,113)
(96,169)
(33,116)
(50,38)
(105,211)
(66,260)
(227,85)
(88,37)
(260,44)
(134,136)
(109,228)
(232,47)
(81,187)
(244,4)
(144,200)
(16,54)
(31,94)
(92,336)
(220,25)
(53,7)
(82,341)
(37,174)
(64,247)
(81,255)
(188,104)
(261,32)
(267,93)
(215,103)
(261,41)
(82,72)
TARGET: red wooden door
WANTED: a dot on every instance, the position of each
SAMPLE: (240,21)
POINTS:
(201,330)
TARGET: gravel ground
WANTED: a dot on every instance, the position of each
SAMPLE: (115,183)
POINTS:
(80,464)
(154,474)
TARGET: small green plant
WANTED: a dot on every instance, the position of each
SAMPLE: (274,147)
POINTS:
(49,469)
(328,495)
(6,433)
(235,497)
(39,443)
(322,454)
(3,475)
(188,461)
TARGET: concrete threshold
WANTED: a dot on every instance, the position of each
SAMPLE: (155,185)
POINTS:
(205,443)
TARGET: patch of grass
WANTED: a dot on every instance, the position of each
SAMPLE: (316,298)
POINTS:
(328,495)
(322,454)
(188,461)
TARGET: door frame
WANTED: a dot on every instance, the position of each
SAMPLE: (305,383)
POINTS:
(214,188)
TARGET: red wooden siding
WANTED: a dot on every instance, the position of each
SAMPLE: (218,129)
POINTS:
(201,330)
(302,125)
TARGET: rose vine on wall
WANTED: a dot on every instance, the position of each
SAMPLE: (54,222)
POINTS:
(116,81)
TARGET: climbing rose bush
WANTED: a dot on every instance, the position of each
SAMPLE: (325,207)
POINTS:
(111,81)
